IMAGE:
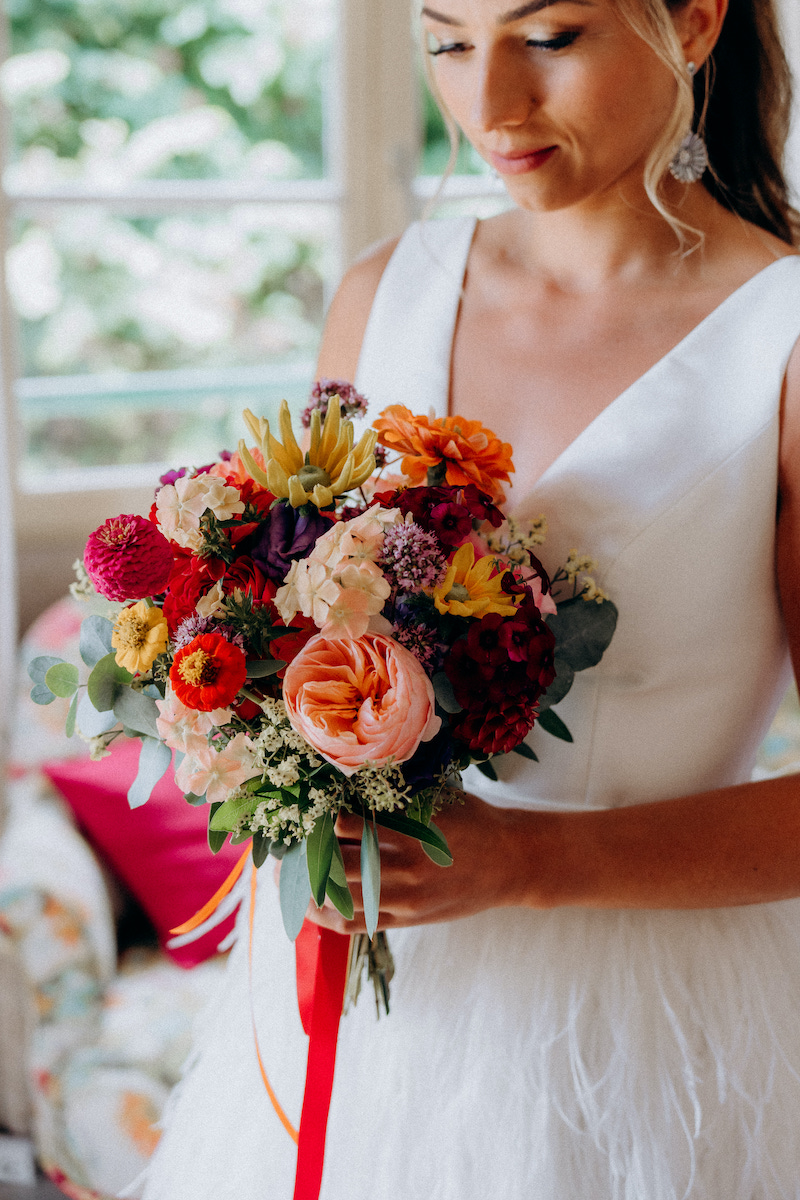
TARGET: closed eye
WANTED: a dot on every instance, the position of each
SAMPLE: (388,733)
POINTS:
(447,48)
(556,43)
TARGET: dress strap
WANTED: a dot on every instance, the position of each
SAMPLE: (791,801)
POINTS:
(407,348)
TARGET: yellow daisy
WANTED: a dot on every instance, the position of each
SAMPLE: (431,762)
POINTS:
(331,465)
(140,635)
(472,589)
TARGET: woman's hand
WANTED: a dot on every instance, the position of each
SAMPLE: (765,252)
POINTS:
(495,852)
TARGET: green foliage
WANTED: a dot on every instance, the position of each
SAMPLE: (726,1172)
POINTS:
(62,679)
(261,847)
(295,889)
(95,639)
(154,761)
(136,711)
(337,886)
(320,856)
(583,631)
(370,875)
(106,682)
(552,723)
(428,834)
(216,837)
(38,669)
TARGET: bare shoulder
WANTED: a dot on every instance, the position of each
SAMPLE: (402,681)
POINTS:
(349,312)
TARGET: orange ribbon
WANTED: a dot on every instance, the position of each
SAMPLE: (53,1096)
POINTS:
(282,1117)
(213,904)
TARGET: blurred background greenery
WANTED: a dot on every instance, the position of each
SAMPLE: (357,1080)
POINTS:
(144,326)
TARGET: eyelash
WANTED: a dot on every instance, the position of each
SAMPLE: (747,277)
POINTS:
(561,42)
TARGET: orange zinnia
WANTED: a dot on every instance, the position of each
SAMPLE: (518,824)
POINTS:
(208,673)
(467,450)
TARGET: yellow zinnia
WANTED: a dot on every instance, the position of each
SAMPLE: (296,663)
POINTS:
(331,466)
(140,635)
(472,589)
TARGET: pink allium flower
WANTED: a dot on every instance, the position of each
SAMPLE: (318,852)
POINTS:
(127,558)
(353,404)
(412,558)
(360,701)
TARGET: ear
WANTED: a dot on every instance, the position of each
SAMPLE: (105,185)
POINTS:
(698,23)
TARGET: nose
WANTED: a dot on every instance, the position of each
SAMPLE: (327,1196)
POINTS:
(505,91)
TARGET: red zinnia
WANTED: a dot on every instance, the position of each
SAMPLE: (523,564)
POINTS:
(208,672)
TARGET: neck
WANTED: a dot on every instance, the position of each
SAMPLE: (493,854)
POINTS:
(619,238)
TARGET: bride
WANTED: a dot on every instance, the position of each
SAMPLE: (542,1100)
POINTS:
(602,996)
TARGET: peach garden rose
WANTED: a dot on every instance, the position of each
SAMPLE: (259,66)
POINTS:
(360,700)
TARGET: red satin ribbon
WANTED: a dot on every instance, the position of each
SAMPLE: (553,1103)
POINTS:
(321,958)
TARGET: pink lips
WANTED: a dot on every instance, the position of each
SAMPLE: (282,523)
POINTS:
(521,164)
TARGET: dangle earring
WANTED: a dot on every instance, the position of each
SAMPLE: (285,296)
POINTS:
(691,158)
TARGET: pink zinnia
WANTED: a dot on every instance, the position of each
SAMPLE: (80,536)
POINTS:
(128,558)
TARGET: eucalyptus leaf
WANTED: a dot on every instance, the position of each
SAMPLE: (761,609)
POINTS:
(525,751)
(583,631)
(443,691)
(41,694)
(337,865)
(295,890)
(62,679)
(488,770)
(95,639)
(565,676)
(38,667)
(434,853)
(428,835)
(91,722)
(341,898)
(216,837)
(319,855)
(106,681)
(261,845)
(370,876)
(154,761)
(69,727)
(260,668)
(195,801)
(552,723)
(137,711)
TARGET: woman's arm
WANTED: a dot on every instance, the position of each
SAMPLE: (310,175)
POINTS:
(737,845)
(348,315)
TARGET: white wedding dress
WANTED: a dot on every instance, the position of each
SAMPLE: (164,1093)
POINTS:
(573,1053)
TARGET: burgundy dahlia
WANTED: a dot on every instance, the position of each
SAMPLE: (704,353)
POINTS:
(128,558)
(498,729)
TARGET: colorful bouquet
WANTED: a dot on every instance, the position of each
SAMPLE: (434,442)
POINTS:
(306,637)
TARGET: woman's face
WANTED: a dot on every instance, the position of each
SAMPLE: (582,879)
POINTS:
(560,97)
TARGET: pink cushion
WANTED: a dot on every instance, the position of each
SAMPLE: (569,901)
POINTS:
(159,851)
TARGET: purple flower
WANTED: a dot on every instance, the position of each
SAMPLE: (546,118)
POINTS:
(429,761)
(412,558)
(285,536)
(352,402)
(192,627)
(171,476)
(420,640)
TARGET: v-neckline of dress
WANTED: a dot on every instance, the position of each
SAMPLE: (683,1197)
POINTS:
(613,405)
